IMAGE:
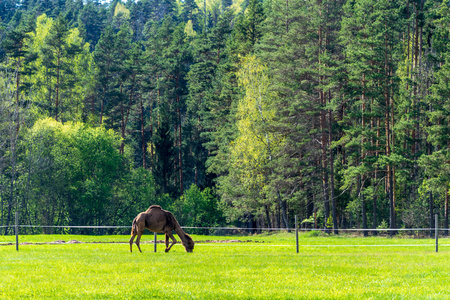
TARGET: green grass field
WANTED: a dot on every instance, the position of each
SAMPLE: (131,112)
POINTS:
(262,267)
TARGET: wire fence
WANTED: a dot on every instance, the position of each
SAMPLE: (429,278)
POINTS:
(230,231)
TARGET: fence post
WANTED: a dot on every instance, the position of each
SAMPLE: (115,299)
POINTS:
(296,233)
(16,230)
(436,231)
(156,238)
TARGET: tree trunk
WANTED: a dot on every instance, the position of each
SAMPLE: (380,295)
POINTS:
(122,125)
(375,173)
(431,204)
(446,211)
(323,127)
(266,210)
(13,137)
(18,77)
(102,103)
(333,199)
(363,125)
(180,154)
(57,89)
(389,175)
(144,145)
(364,215)
(283,208)
(151,137)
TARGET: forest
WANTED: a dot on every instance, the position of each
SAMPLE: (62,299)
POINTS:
(227,112)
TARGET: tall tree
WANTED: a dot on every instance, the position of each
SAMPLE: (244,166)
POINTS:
(54,51)
(91,22)
(372,63)
(63,77)
(107,63)
(17,49)
(436,163)
(255,148)
(164,148)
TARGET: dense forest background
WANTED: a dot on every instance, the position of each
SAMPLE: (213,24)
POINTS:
(242,112)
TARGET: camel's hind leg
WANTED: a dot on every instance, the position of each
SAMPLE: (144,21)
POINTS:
(137,229)
(138,241)
(169,235)
(133,235)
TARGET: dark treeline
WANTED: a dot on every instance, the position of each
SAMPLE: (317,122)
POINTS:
(225,112)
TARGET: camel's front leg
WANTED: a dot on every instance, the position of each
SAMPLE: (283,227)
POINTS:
(167,241)
(169,235)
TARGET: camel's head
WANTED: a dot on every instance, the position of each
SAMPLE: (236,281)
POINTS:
(189,244)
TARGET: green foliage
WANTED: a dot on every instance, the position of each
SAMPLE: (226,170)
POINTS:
(74,171)
(329,224)
(196,208)
(64,70)
(314,233)
(282,108)
(254,146)
(136,191)
(164,155)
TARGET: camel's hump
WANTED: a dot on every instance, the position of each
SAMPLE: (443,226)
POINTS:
(155,206)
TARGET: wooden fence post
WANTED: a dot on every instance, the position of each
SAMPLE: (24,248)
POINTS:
(436,231)
(296,233)
(16,230)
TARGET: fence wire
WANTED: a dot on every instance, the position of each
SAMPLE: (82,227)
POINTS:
(102,230)
(233,228)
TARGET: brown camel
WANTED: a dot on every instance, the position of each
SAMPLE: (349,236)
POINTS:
(159,220)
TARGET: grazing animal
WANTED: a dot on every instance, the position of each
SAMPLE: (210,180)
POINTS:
(159,220)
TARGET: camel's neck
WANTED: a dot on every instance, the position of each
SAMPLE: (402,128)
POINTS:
(180,232)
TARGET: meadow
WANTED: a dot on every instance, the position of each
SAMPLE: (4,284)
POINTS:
(248,267)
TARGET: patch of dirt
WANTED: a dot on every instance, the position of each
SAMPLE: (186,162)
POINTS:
(61,242)
(229,241)
(58,242)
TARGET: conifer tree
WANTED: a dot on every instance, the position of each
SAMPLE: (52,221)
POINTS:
(294,48)
(106,61)
(209,105)
(16,47)
(54,52)
(371,65)
(163,164)
(189,13)
(91,19)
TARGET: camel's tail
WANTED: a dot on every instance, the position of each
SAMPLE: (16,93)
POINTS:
(134,229)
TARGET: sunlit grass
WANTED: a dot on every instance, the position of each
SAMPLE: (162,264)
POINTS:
(265,268)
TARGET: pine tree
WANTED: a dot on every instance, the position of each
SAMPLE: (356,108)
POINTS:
(436,162)
(92,18)
(210,100)
(294,48)
(189,13)
(72,10)
(63,75)
(16,47)
(7,9)
(54,52)
(248,28)
(371,65)
(163,170)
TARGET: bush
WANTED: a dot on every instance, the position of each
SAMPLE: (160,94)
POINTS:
(198,208)
(315,233)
